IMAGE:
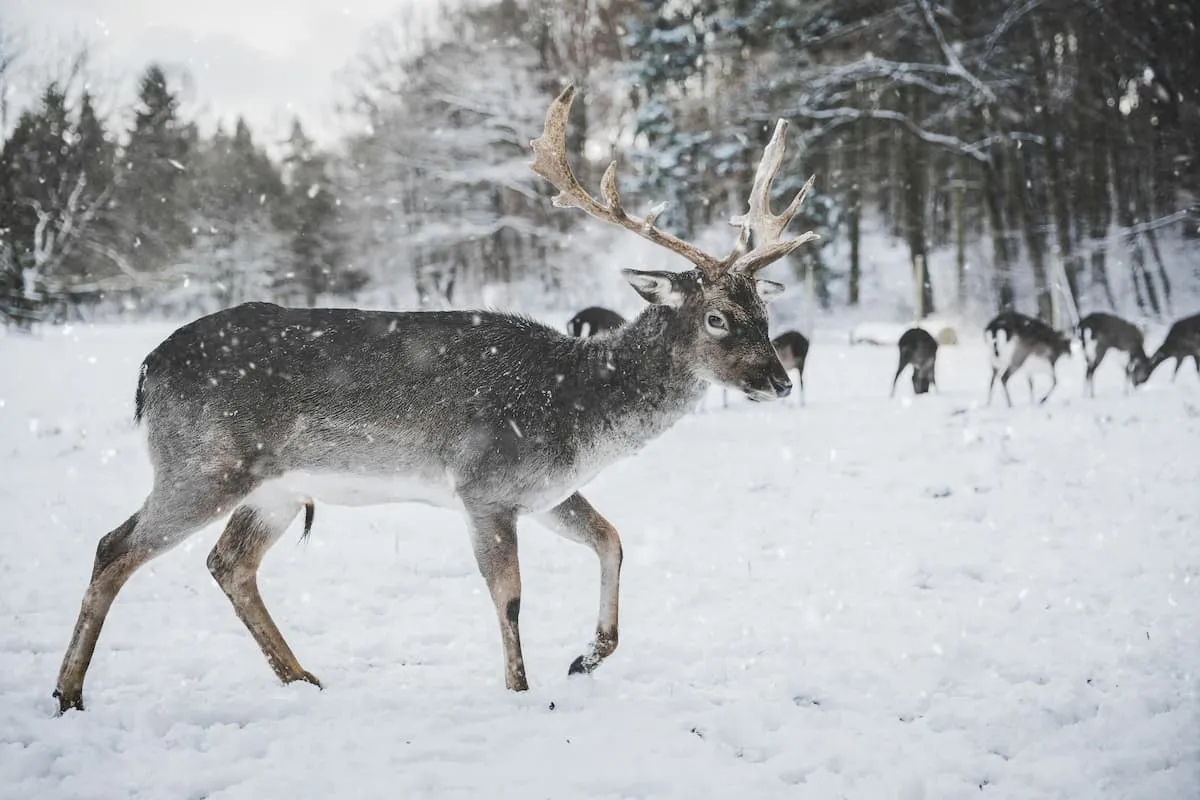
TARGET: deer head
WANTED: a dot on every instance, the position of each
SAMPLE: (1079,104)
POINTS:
(718,315)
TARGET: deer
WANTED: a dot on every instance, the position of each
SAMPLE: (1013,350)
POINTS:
(792,347)
(258,410)
(1182,342)
(595,319)
(919,349)
(1100,332)
(1014,339)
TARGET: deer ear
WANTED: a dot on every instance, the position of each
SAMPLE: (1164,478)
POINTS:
(656,287)
(769,290)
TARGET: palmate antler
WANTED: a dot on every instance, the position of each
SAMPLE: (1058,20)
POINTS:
(550,161)
(767,227)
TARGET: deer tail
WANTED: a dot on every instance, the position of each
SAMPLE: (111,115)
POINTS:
(309,513)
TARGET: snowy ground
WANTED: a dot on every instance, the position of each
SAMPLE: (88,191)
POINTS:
(860,599)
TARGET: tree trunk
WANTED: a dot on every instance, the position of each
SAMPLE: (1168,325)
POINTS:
(993,188)
(1030,202)
(1122,191)
(1099,219)
(912,155)
(854,212)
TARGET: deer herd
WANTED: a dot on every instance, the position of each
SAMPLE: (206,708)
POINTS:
(256,412)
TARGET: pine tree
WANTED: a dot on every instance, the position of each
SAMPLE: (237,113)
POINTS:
(311,212)
(150,197)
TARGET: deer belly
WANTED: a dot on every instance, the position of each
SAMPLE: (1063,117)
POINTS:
(363,489)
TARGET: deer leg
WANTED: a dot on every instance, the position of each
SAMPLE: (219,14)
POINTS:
(804,400)
(1178,364)
(1053,385)
(992,385)
(900,369)
(724,397)
(494,537)
(1092,366)
(165,520)
(1004,385)
(234,562)
(577,520)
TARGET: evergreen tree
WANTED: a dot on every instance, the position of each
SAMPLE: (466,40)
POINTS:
(311,213)
(151,194)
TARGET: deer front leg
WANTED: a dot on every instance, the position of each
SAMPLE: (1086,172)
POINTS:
(900,369)
(494,537)
(575,519)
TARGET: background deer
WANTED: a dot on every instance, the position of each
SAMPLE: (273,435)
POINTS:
(1182,342)
(1014,339)
(594,319)
(256,410)
(919,349)
(792,348)
(1099,333)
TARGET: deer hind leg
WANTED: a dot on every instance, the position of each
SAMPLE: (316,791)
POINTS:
(494,538)
(577,520)
(1015,363)
(1053,386)
(171,513)
(800,374)
(900,369)
(1092,366)
(234,563)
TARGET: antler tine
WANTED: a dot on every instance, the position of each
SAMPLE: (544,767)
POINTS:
(550,161)
(766,226)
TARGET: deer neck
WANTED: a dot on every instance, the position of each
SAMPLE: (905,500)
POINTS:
(638,375)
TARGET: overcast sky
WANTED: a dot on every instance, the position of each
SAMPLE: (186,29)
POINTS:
(264,59)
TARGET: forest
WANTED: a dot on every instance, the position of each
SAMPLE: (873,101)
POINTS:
(1037,147)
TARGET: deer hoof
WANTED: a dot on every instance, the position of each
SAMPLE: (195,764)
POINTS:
(306,676)
(68,701)
(584,665)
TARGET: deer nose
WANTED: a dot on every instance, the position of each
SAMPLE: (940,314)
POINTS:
(782,385)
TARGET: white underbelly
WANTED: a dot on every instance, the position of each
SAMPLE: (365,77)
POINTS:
(350,489)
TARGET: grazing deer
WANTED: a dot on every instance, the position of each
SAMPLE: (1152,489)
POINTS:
(1099,333)
(918,348)
(258,410)
(1182,342)
(792,349)
(1014,339)
(596,319)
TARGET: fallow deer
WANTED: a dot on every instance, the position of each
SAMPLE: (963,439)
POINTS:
(593,320)
(1100,332)
(258,410)
(1182,342)
(792,349)
(1014,339)
(919,349)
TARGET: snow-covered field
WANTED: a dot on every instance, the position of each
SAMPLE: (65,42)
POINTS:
(859,599)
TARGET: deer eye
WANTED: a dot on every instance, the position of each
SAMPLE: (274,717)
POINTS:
(715,322)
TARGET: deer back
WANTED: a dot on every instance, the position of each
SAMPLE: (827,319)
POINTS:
(479,403)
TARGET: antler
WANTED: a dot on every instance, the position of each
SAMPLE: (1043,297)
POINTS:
(767,227)
(550,161)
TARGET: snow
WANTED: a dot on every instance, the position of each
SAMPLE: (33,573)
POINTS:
(922,598)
